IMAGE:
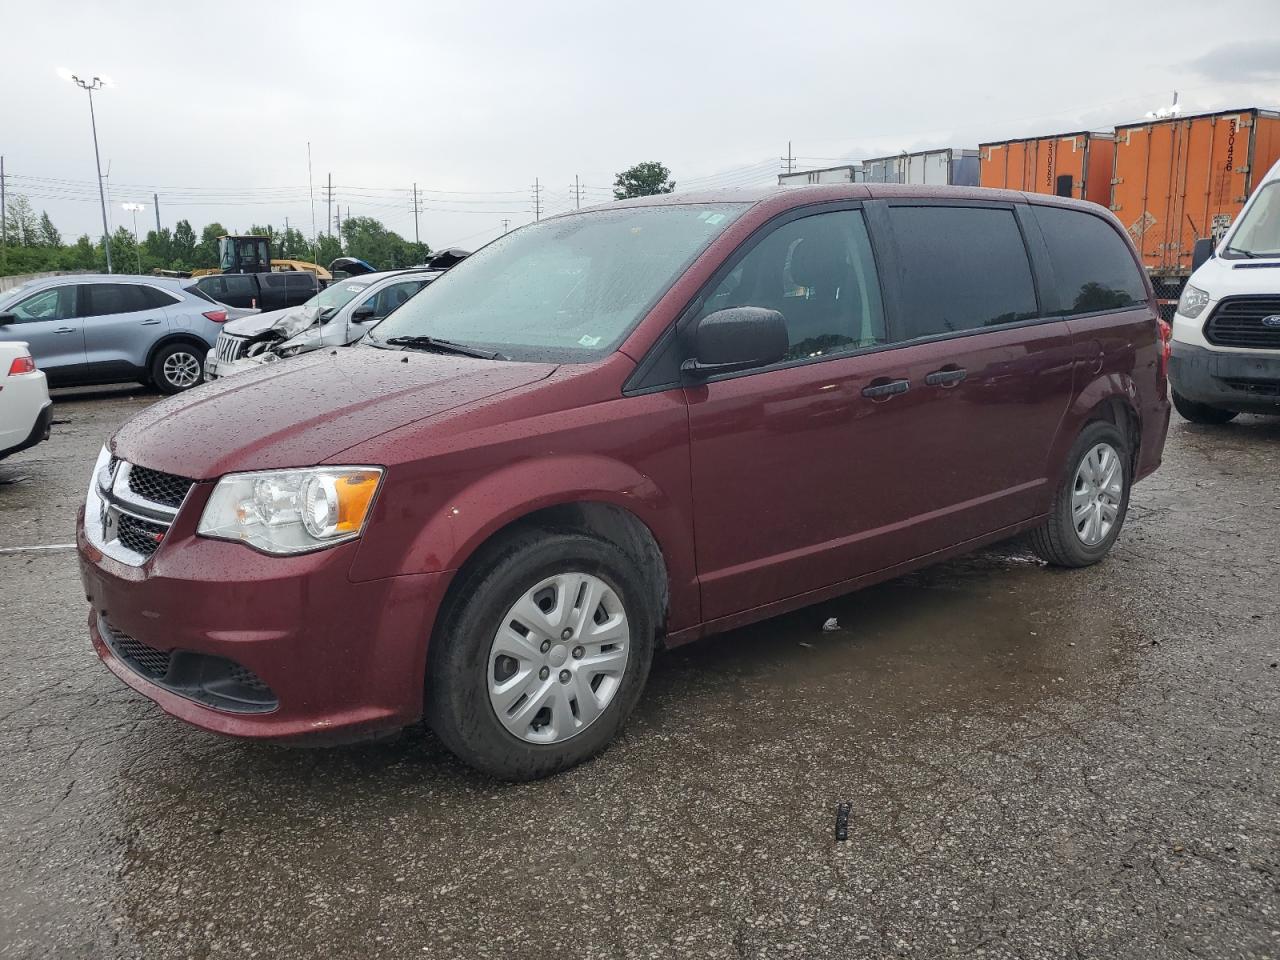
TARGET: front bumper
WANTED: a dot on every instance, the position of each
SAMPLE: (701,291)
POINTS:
(1244,382)
(215,369)
(342,660)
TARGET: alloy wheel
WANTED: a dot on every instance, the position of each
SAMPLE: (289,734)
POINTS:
(181,369)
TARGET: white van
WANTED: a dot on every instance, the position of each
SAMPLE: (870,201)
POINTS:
(1226,333)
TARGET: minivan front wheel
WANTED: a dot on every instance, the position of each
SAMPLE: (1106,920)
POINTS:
(176,367)
(1091,502)
(540,654)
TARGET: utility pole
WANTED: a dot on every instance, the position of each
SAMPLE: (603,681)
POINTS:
(156,198)
(537,199)
(789,159)
(328,210)
(90,86)
(4,215)
(311,192)
(505,223)
(577,193)
(339,226)
(417,208)
(137,247)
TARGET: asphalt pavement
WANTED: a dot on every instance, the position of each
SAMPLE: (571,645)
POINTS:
(1038,763)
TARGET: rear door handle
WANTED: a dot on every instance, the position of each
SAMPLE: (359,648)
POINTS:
(889,389)
(946,378)
(149,323)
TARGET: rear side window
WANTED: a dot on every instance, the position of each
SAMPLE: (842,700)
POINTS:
(1092,265)
(960,268)
(105,299)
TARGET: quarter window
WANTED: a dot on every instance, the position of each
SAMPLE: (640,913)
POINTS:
(819,273)
(961,268)
(1092,265)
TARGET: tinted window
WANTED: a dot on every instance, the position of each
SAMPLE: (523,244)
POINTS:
(157,298)
(819,273)
(57,303)
(1092,265)
(104,299)
(962,268)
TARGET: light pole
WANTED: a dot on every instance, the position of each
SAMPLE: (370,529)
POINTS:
(97,83)
(135,209)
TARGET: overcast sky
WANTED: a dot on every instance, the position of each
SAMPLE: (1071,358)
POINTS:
(214,109)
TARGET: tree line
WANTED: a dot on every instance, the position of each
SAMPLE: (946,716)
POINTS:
(35,245)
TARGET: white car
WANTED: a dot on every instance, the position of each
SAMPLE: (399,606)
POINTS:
(25,408)
(1226,333)
(336,316)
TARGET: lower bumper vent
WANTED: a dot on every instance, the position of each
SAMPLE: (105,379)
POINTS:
(213,681)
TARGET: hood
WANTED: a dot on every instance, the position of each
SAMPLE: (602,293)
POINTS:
(257,323)
(307,410)
(1220,277)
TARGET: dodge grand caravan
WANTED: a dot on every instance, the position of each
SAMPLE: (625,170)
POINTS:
(630,425)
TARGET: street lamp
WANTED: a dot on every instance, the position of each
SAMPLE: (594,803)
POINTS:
(97,83)
(135,209)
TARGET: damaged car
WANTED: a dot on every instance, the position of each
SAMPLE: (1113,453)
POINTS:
(338,315)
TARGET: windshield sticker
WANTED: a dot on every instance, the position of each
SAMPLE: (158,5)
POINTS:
(589,341)
(715,218)
(355,289)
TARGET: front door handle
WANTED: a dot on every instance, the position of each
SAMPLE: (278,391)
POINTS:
(65,330)
(946,377)
(149,323)
(890,388)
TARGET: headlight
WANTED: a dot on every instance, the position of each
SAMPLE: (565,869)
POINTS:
(1192,302)
(291,511)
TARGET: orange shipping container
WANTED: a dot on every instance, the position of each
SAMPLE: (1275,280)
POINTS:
(1065,165)
(1184,178)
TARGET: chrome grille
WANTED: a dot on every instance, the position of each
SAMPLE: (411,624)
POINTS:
(228,348)
(159,487)
(140,536)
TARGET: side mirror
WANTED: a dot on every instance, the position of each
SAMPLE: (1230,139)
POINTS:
(737,338)
(8,318)
(362,314)
(1201,253)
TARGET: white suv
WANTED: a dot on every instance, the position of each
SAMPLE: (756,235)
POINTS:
(1226,333)
(25,408)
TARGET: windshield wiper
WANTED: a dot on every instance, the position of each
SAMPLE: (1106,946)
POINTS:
(443,346)
(1243,253)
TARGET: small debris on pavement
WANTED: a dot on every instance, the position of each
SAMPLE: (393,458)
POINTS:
(831,626)
(842,821)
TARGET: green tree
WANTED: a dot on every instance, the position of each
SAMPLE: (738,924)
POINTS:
(83,255)
(48,233)
(158,247)
(206,252)
(21,222)
(643,180)
(369,239)
(328,249)
(292,245)
(124,251)
(184,245)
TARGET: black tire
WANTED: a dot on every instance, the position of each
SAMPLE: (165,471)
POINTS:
(1201,412)
(172,370)
(457,698)
(1057,541)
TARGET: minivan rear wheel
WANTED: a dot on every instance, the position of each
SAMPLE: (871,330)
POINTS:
(176,367)
(1092,500)
(1201,412)
(540,654)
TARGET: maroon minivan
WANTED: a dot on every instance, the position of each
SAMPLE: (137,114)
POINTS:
(632,425)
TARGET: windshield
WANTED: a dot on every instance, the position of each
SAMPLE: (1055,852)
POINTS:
(1258,233)
(334,296)
(566,290)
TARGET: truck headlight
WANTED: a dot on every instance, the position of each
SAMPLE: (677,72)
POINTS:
(291,511)
(1192,302)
